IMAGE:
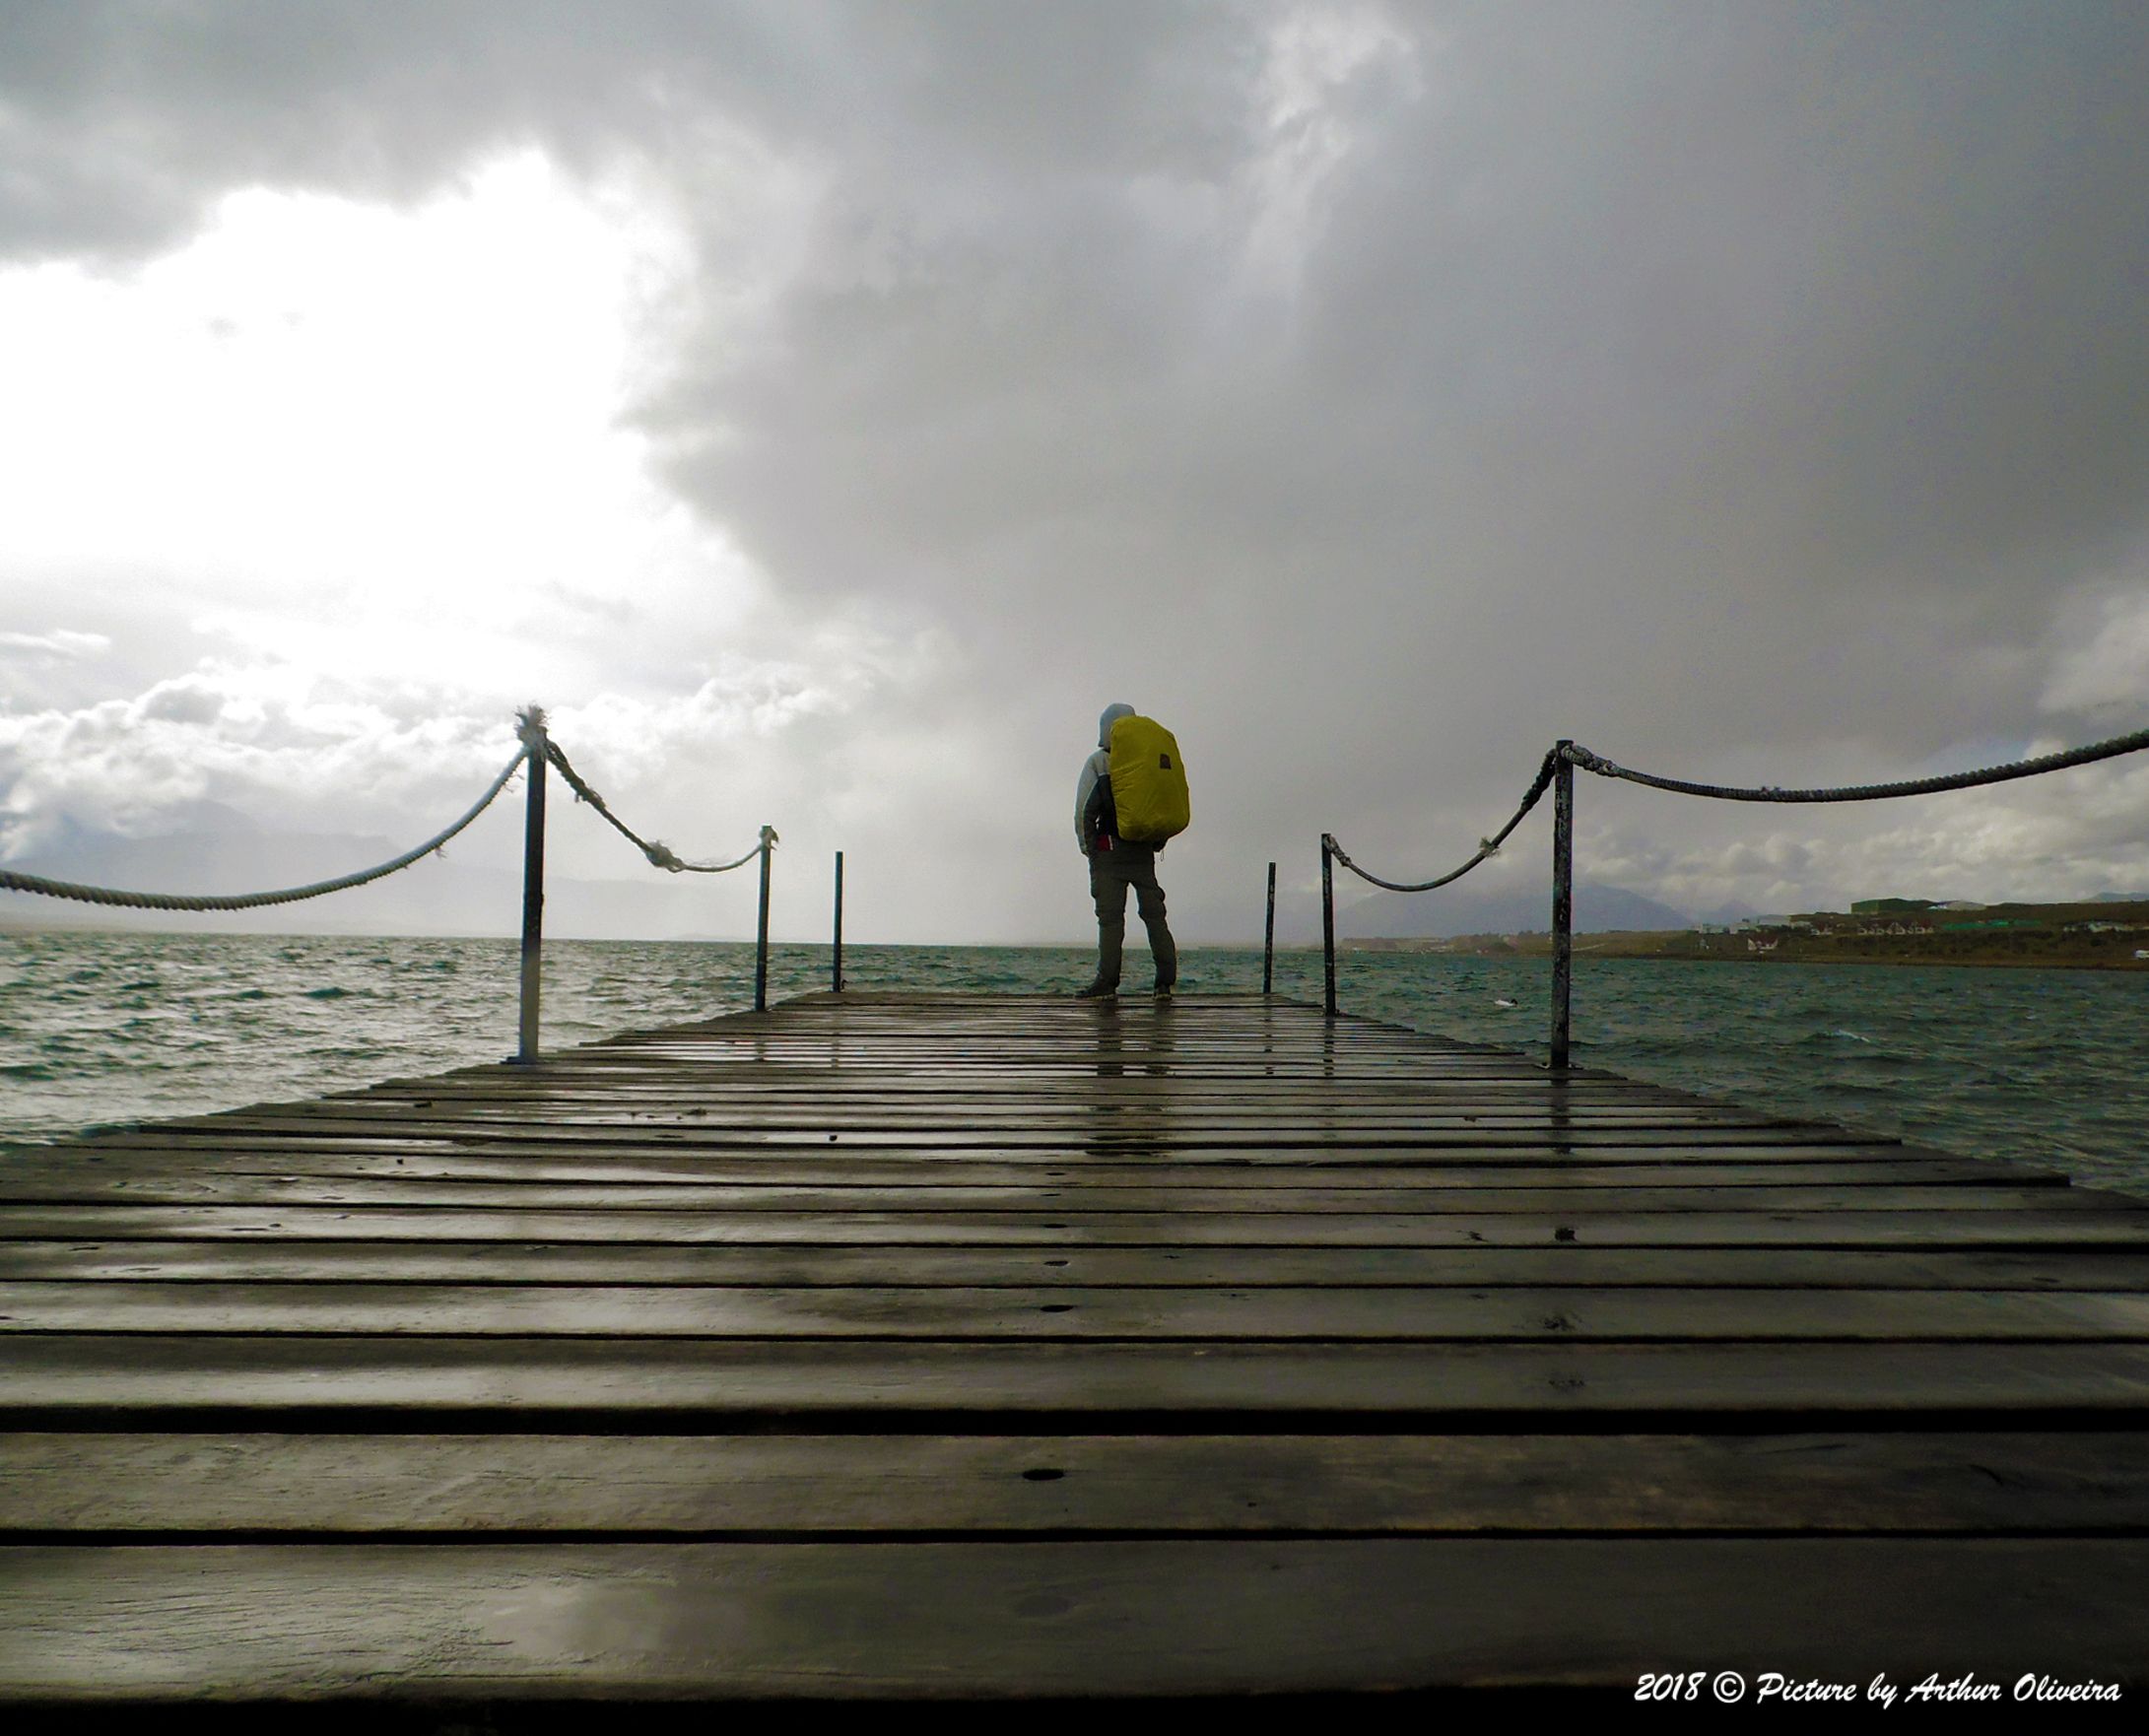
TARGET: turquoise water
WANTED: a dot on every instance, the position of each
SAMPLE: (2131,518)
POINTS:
(2040,1065)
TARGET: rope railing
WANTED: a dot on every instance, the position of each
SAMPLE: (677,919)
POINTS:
(1869,792)
(1487,848)
(1558,773)
(536,752)
(10,881)
(544,751)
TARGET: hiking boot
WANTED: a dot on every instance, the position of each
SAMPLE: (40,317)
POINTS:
(1097,991)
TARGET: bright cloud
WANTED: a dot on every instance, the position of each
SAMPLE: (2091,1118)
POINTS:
(60,643)
(336,423)
(374,465)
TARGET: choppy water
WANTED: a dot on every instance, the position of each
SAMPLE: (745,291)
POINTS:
(2042,1065)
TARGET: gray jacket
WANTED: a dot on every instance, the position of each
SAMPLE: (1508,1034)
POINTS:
(1097,766)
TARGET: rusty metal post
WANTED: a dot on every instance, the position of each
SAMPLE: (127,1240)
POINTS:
(1329,922)
(534,740)
(1269,938)
(760,931)
(836,967)
(1563,902)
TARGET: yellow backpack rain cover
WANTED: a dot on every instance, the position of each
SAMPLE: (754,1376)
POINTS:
(1148,781)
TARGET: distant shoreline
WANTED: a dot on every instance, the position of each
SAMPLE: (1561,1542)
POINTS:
(1461,948)
(2104,936)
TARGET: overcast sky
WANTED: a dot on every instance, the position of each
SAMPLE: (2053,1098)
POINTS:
(825,409)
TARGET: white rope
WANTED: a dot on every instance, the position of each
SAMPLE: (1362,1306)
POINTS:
(10,881)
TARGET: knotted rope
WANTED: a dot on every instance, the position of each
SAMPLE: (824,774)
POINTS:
(660,855)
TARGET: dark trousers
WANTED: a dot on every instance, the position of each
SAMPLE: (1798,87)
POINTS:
(1111,872)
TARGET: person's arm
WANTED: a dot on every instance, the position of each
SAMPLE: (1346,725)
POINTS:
(1084,786)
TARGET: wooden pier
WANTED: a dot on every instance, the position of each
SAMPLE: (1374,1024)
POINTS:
(969,1347)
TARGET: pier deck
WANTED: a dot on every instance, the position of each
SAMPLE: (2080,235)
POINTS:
(885,1346)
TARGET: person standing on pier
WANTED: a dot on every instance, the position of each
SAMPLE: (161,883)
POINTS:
(1118,863)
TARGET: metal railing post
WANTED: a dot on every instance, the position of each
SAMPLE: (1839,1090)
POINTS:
(1563,902)
(533,886)
(1329,922)
(760,931)
(1269,938)
(835,965)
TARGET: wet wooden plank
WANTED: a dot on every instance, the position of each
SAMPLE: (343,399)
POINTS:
(1045,1193)
(711,1090)
(1079,1120)
(1607,1269)
(512,1122)
(625,1145)
(1192,1135)
(94,1376)
(1068,1618)
(1067,1225)
(945,1313)
(34,1177)
(898,1485)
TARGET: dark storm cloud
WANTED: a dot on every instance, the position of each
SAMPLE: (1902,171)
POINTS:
(124,118)
(122,122)
(1742,388)
(1381,389)
(1813,302)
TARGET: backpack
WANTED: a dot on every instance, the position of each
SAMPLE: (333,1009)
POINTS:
(1148,782)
